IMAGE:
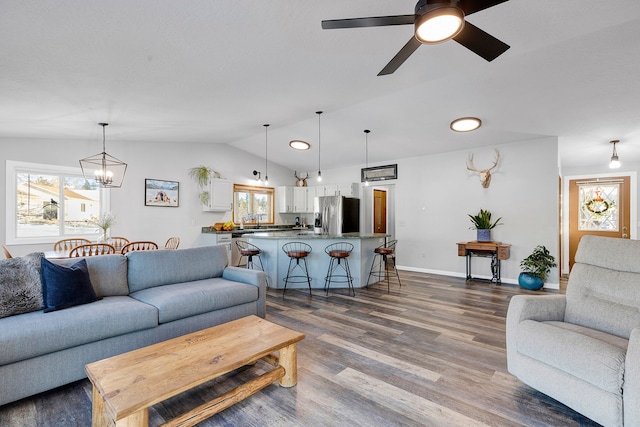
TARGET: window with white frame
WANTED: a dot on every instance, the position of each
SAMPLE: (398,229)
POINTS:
(46,203)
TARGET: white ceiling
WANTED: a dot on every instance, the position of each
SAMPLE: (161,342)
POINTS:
(216,71)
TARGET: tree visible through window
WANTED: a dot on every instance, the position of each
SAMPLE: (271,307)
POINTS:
(50,202)
(252,204)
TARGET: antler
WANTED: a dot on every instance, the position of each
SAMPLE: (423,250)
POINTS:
(496,160)
(470,165)
(295,173)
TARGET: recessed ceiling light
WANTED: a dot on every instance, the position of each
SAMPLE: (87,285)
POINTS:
(298,144)
(465,124)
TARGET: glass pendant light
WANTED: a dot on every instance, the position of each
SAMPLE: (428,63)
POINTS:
(319,171)
(366,153)
(266,150)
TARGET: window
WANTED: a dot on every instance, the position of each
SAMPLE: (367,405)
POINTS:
(252,204)
(46,203)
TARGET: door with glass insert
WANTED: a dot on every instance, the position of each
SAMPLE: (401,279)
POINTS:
(598,207)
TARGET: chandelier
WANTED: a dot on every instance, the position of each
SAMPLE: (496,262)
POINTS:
(106,170)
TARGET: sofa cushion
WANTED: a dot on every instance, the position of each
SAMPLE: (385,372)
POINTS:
(33,334)
(592,356)
(147,269)
(64,287)
(182,300)
(108,273)
(20,286)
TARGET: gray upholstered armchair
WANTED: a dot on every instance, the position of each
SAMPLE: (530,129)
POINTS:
(583,349)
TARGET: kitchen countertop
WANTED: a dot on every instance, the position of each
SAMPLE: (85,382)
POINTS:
(304,235)
(274,228)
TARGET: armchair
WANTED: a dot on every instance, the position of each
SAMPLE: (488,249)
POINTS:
(583,348)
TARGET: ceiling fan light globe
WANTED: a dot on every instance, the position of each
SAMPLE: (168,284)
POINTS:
(439,25)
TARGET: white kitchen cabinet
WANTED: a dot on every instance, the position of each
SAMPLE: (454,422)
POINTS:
(300,199)
(349,189)
(330,189)
(284,195)
(220,196)
(312,193)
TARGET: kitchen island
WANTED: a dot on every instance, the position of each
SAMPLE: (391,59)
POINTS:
(276,261)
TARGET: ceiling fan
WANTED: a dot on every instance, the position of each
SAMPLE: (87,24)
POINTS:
(435,21)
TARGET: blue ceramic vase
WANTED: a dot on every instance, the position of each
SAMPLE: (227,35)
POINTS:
(532,283)
(484,235)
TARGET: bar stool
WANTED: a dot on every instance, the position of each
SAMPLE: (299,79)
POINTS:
(297,251)
(250,251)
(380,265)
(339,252)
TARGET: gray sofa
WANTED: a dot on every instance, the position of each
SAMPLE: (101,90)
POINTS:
(147,297)
(583,348)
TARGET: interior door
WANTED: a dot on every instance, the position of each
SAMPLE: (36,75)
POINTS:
(379,211)
(598,207)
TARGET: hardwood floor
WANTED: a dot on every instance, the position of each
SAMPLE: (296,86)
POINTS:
(431,353)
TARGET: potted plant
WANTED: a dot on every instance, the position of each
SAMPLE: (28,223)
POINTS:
(483,224)
(202,175)
(535,268)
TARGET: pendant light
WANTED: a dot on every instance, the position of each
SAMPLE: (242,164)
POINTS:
(615,162)
(103,168)
(266,150)
(366,154)
(319,171)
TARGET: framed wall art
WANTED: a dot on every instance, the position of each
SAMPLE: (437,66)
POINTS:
(158,192)
(379,173)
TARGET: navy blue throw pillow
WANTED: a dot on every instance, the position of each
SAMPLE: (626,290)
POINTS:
(64,287)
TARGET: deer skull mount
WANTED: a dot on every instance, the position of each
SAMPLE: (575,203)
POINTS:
(485,174)
(300,182)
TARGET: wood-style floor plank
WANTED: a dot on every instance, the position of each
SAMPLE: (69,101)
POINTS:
(429,353)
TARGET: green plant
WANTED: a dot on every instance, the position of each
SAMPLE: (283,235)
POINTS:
(202,174)
(482,220)
(538,263)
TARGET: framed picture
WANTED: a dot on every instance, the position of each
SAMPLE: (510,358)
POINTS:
(379,173)
(158,192)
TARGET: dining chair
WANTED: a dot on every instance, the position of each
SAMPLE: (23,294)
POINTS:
(65,245)
(92,249)
(7,254)
(172,243)
(119,242)
(139,246)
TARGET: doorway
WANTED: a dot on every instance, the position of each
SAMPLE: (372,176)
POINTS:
(379,211)
(598,206)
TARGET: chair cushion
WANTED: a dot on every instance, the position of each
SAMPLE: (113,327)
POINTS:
(297,254)
(64,287)
(590,355)
(384,251)
(339,254)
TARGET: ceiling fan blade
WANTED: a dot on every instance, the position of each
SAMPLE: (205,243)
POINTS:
(480,42)
(400,57)
(374,21)
(473,6)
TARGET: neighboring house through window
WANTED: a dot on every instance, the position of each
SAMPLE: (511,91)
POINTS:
(253,204)
(46,203)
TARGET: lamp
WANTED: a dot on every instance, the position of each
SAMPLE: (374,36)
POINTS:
(298,144)
(257,175)
(465,124)
(266,146)
(442,22)
(615,162)
(319,171)
(105,169)
(366,153)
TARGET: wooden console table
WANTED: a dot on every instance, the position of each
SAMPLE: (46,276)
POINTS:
(497,251)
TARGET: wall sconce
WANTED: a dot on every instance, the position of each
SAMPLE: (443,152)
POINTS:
(615,162)
(257,175)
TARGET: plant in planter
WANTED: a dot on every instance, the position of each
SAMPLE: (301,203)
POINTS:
(483,224)
(536,268)
(202,174)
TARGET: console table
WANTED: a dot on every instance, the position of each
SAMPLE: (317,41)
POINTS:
(497,251)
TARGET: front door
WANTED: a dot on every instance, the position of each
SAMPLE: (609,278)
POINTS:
(379,211)
(598,207)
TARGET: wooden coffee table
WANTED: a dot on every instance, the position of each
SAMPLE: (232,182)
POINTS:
(125,386)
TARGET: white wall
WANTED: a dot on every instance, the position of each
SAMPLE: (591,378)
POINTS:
(434,194)
(170,161)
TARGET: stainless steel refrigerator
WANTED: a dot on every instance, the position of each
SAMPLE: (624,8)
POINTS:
(336,215)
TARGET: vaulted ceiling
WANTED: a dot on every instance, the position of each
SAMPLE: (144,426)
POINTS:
(216,71)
